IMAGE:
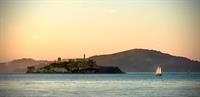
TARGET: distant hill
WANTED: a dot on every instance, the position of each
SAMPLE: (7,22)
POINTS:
(144,60)
(135,60)
(20,65)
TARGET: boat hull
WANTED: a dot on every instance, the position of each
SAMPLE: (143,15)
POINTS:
(158,74)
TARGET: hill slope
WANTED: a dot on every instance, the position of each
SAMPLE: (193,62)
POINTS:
(147,60)
(20,65)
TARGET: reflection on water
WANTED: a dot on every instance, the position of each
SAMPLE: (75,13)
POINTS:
(101,85)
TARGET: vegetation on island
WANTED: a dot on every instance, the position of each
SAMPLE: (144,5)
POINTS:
(73,66)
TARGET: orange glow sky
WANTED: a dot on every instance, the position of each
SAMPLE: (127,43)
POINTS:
(47,29)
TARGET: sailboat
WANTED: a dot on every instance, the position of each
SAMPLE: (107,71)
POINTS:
(158,71)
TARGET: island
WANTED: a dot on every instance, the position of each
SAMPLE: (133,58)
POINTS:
(74,66)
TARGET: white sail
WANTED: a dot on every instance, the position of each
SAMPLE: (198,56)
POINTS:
(158,70)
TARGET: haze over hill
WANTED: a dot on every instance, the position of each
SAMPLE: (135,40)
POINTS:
(135,60)
(147,60)
(20,65)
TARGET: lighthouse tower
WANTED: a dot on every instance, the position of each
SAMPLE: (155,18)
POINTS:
(84,56)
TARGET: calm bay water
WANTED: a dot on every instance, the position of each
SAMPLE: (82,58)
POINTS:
(138,84)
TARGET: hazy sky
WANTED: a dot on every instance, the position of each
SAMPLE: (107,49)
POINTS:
(47,29)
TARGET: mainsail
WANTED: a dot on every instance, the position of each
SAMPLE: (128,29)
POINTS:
(158,71)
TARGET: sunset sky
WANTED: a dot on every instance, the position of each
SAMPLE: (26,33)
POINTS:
(47,29)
